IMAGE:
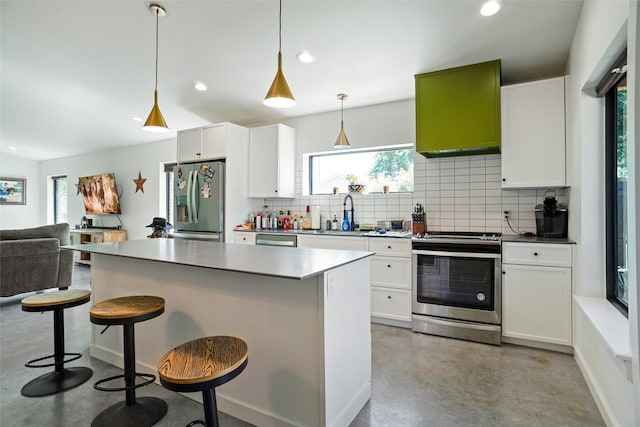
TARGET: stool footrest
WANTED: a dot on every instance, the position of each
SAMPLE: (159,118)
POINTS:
(149,379)
(193,423)
(33,363)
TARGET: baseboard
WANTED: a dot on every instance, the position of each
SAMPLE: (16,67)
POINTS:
(391,322)
(538,344)
(596,393)
(354,406)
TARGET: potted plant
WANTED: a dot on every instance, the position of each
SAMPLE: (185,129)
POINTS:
(353,186)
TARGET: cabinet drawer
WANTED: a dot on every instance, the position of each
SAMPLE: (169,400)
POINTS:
(391,303)
(245,238)
(391,272)
(390,246)
(549,254)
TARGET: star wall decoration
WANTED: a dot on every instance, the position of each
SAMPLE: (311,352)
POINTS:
(139,182)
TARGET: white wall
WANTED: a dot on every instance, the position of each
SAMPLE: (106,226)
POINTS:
(138,209)
(599,37)
(22,216)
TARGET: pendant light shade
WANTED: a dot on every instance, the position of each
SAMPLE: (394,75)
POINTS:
(155,122)
(279,95)
(342,141)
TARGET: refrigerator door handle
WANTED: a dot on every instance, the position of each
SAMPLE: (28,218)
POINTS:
(194,197)
(189,197)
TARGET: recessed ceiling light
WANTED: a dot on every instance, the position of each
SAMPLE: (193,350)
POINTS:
(490,7)
(200,86)
(136,119)
(305,56)
(11,147)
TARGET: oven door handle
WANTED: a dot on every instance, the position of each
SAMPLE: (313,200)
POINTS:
(458,254)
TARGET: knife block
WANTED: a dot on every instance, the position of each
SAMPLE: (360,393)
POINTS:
(417,228)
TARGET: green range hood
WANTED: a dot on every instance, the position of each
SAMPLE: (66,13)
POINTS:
(458,111)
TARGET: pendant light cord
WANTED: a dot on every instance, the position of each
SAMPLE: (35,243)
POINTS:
(280,28)
(157,17)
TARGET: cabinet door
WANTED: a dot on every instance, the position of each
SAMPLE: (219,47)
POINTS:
(332,242)
(547,254)
(459,109)
(533,134)
(189,144)
(536,303)
(391,303)
(390,246)
(263,162)
(213,142)
(245,238)
(391,272)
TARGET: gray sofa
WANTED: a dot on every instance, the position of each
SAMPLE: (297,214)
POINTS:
(31,259)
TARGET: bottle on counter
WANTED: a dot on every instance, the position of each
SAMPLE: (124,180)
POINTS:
(265,218)
(259,221)
(334,223)
(306,220)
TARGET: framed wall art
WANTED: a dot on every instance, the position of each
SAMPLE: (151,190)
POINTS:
(13,191)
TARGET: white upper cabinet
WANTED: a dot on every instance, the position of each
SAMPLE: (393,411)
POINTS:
(199,144)
(533,134)
(272,154)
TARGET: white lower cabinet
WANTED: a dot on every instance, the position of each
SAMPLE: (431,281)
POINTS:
(536,293)
(390,272)
(391,281)
(245,238)
(332,242)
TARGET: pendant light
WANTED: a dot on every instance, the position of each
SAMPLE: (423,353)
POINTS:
(342,141)
(155,122)
(279,95)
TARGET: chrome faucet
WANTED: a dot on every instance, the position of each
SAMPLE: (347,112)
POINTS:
(346,224)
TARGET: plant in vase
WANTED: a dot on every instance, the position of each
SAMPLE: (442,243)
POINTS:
(353,186)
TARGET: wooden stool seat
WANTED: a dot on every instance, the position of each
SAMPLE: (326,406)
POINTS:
(51,300)
(131,309)
(202,365)
(61,378)
(127,311)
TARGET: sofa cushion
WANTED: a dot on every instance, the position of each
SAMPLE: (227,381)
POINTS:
(28,265)
(59,231)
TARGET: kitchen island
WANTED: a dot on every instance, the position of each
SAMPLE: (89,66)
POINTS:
(304,314)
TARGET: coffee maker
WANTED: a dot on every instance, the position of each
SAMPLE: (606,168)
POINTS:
(552,218)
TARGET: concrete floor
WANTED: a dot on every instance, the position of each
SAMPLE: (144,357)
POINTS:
(418,380)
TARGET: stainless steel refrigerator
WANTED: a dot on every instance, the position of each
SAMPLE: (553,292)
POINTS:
(199,200)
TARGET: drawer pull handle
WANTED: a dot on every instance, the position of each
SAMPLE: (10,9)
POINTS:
(389,247)
(388,265)
(535,253)
(388,296)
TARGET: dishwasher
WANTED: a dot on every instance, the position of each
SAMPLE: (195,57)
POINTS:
(272,239)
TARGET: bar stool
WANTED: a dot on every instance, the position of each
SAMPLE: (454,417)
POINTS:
(127,311)
(202,365)
(61,378)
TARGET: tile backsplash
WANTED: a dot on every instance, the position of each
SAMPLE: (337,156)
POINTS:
(458,193)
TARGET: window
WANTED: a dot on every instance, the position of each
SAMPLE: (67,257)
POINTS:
(617,274)
(59,199)
(374,169)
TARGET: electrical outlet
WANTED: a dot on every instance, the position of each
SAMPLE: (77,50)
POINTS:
(507,214)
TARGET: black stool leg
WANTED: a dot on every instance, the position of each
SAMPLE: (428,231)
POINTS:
(210,407)
(130,363)
(60,379)
(145,411)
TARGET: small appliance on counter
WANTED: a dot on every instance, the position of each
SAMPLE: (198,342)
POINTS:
(552,218)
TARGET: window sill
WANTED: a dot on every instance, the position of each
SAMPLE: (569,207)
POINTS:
(612,326)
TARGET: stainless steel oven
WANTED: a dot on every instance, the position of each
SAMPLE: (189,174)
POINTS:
(457,286)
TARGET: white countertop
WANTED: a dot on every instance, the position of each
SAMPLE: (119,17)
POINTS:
(291,263)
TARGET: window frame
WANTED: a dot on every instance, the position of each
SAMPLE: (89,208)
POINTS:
(311,156)
(55,201)
(608,88)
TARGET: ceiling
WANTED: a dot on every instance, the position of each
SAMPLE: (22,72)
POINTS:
(74,73)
